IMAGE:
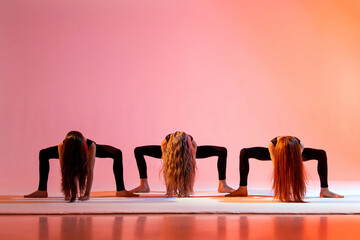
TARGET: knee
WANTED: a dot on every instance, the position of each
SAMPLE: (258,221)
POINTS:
(223,151)
(42,154)
(322,154)
(137,151)
(118,153)
(243,153)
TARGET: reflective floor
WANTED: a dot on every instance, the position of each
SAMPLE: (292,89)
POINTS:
(183,227)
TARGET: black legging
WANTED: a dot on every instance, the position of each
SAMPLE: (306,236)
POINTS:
(261,153)
(201,152)
(102,151)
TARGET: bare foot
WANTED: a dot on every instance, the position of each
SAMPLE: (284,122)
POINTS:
(84,198)
(182,196)
(169,195)
(125,193)
(240,192)
(224,188)
(37,194)
(326,193)
(143,188)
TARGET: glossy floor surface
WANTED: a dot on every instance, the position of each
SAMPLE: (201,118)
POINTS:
(182,226)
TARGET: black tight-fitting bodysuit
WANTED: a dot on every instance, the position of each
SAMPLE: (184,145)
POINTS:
(201,152)
(102,151)
(261,153)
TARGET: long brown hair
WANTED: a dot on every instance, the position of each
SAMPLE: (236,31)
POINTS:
(179,165)
(74,165)
(289,177)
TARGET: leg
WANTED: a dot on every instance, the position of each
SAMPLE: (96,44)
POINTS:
(151,151)
(212,151)
(259,153)
(44,168)
(322,169)
(221,153)
(105,151)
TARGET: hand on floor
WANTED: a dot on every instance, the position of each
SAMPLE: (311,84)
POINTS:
(84,198)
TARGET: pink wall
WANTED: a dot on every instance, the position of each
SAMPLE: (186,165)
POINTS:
(126,73)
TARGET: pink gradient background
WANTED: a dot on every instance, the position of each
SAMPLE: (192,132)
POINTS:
(126,73)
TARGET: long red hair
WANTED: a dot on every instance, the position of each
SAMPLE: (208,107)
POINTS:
(289,176)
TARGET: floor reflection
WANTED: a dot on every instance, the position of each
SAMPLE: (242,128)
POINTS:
(221,227)
(43,228)
(140,227)
(243,227)
(117,228)
(323,228)
(291,227)
(76,227)
(182,226)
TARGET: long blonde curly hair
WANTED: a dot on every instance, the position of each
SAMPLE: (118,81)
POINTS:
(179,165)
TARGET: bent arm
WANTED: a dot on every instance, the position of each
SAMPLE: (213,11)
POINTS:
(90,174)
(301,147)
(194,146)
(60,150)
(163,146)
(271,148)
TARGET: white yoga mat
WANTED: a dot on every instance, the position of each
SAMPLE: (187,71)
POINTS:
(156,202)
